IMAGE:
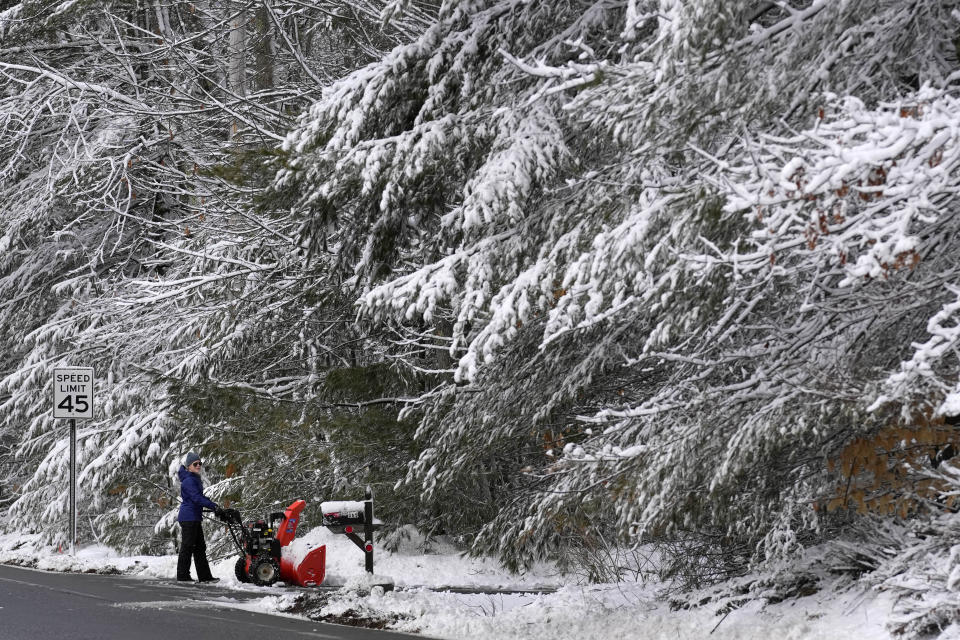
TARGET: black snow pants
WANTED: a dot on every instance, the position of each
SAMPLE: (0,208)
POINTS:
(192,545)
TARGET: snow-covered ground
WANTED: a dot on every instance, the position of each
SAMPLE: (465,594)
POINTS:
(635,611)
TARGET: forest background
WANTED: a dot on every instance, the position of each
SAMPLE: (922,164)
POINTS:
(554,278)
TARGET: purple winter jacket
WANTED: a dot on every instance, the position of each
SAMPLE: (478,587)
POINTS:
(191,490)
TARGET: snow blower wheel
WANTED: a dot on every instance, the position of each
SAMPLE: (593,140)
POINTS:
(240,569)
(264,572)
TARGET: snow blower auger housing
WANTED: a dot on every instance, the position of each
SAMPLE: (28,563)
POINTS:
(264,544)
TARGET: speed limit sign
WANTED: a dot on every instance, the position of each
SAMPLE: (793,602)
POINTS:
(73,392)
(73,399)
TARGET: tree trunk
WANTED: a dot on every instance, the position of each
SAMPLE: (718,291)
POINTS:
(264,48)
(236,61)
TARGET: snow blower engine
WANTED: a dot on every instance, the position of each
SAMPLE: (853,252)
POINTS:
(265,556)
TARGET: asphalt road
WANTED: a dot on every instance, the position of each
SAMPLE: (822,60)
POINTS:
(68,606)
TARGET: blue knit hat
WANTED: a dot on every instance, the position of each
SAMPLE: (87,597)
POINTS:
(190,459)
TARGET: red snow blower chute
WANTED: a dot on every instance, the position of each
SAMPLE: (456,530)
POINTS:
(264,547)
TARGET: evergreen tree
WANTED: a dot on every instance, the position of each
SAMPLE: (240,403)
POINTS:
(597,210)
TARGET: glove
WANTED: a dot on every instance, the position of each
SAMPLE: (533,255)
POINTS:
(219,513)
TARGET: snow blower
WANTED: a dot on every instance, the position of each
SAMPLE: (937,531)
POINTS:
(265,556)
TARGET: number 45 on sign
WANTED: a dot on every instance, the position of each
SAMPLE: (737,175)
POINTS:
(73,392)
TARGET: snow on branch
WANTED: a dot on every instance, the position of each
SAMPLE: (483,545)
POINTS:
(79,85)
(527,152)
(619,269)
(417,294)
(583,73)
(861,188)
(923,369)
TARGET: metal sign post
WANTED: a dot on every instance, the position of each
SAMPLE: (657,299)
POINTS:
(72,399)
(73,486)
(368,530)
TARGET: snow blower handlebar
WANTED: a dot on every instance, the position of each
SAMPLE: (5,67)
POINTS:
(230,516)
(235,526)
